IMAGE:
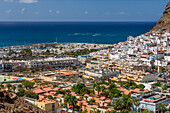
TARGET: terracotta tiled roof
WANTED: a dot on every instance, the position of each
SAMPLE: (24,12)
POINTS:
(125,91)
(38,91)
(55,89)
(107,101)
(85,103)
(110,109)
(46,101)
(73,93)
(48,89)
(94,106)
(86,95)
(59,96)
(47,94)
(52,92)
(102,98)
(39,87)
(137,90)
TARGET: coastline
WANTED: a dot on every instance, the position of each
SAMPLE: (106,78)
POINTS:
(98,33)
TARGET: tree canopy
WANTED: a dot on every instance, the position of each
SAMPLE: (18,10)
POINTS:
(28,84)
(80,89)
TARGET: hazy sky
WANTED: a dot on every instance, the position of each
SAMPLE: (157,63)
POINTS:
(81,10)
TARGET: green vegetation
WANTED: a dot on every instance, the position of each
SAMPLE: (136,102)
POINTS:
(130,85)
(113,111)
(21,92)
(49,97)
(125,105)
(141,86)
(47,52)
(80,52)
(27,52)
(71,100)
(91,101)
(161,107)
(1,85)
(146,111)
(114,93)
(9,86)
(28,84)
(80,89)
(155,85)
(55,85)
(111,92)
(27,93)
(165,87)
(74,68)
(60,92)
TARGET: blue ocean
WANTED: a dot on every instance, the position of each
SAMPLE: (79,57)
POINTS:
(19,33)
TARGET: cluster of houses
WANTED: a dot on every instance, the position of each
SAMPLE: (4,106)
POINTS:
(42,55)
(59,63)
(148,101)
(133,59)
(52,48)
(140,59)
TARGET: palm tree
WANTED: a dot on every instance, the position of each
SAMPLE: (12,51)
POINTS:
(73,101)
(1,85)
(103,88)
(13,88)
(137,104)
(105,93)
(134,101)
(161,107)
(67,98)
(112,85)
(128,103)
(9,86)
(20,86)
(118,104)
(94,85)
(98,88)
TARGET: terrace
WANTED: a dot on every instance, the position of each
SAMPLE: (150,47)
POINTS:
(154,97)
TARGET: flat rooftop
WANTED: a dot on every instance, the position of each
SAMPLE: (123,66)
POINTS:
(153,98)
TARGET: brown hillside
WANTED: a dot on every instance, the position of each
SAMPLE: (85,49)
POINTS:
(163,23)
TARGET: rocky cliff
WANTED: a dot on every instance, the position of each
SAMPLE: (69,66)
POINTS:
(10,103)
(163,23)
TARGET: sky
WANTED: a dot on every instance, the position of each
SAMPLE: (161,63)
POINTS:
(81,10)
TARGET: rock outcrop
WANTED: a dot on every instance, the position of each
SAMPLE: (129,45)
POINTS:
(11,103)
(163,23)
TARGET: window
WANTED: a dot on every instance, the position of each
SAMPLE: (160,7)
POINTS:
(53,106)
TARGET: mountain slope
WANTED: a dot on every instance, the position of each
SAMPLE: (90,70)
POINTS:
(163,23)
(10,103)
